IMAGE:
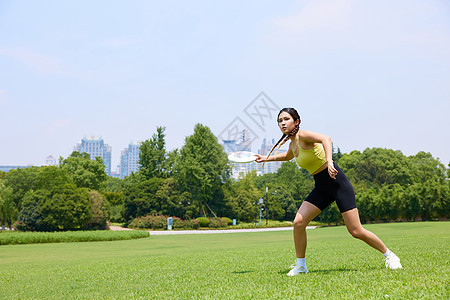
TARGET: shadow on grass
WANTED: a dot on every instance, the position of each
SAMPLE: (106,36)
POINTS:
(333,270)
(242,272)
(323,271)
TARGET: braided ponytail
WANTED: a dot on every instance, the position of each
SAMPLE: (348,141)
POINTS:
(285,137)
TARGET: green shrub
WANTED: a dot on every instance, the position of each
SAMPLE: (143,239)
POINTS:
(160,222)
(116,213)
(217,223)
(228,220)
(149,222)
(191,224)
(177,223)
(204,222)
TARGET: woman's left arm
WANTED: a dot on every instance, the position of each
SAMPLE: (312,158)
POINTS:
(314,137)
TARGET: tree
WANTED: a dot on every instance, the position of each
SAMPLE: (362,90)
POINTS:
(140,199)
(153,156)
(114,184)
(426,167)
(434,200)
(448,173)
(67,208)
(21,181)
(30,217)
(268,179)
(115,207)
(85,172)
(275,205)
(114,196)
(202,166)
(337,155)
(297,181)
(171,159)
(390,186)
(375,167)
(99,211)
(8,211)
(288,203)
(412,203)
(170,200)
(331,214)
(430,189)
(49,177)
(365,201)
(242,198)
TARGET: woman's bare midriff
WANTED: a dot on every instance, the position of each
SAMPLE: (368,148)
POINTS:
(323,167)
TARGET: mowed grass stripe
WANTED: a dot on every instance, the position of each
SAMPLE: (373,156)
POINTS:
(233,265)
(12,238)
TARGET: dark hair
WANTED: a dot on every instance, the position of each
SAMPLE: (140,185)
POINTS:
(294,114)
(285,137)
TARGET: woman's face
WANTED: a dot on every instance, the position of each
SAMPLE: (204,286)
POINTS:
(286,122)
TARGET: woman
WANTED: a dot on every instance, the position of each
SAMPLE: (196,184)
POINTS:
(313,151)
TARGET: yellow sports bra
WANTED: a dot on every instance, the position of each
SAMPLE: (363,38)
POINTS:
(311,159)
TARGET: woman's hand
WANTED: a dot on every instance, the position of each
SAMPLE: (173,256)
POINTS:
(332,170)
(259,158)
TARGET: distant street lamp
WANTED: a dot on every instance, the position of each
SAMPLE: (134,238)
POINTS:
(267,205)
(260,210)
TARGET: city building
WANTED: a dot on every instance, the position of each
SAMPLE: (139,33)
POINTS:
(244,143)
(229,146)
(96,147)
(50,161)
(129,159)
(116,174)
(8,168)
(240,170)
(273,166)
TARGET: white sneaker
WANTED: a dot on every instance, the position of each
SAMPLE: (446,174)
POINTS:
(393,262)
(297,269)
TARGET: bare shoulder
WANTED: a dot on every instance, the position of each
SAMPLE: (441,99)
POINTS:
(306,133)
(307,136)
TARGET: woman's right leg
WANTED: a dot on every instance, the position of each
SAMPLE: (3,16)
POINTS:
(306,213)
(354,227)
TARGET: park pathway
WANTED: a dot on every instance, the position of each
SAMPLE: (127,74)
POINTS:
(171,232)
(118,228)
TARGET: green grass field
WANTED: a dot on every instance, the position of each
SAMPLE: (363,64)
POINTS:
(233,266)
(12,237)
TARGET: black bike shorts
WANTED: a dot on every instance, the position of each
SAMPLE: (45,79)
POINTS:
(326,190)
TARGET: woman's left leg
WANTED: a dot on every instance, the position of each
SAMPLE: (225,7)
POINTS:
(345,200)
(353,224)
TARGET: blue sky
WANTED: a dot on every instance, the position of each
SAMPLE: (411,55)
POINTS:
(366,73)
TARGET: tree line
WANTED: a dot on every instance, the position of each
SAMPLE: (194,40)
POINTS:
(195,181)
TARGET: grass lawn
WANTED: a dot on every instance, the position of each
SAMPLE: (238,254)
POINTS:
(12,237)
(233,266)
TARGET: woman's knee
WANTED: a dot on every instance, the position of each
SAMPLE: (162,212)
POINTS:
(299,222)
(357,233)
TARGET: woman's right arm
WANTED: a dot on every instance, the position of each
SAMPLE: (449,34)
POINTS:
(287,156)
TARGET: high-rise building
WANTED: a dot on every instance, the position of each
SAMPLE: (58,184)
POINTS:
(129,160)
(229,146)
(273,166)
(116,174)
(239,170)
(244,143)
(96,147)
(50,161)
